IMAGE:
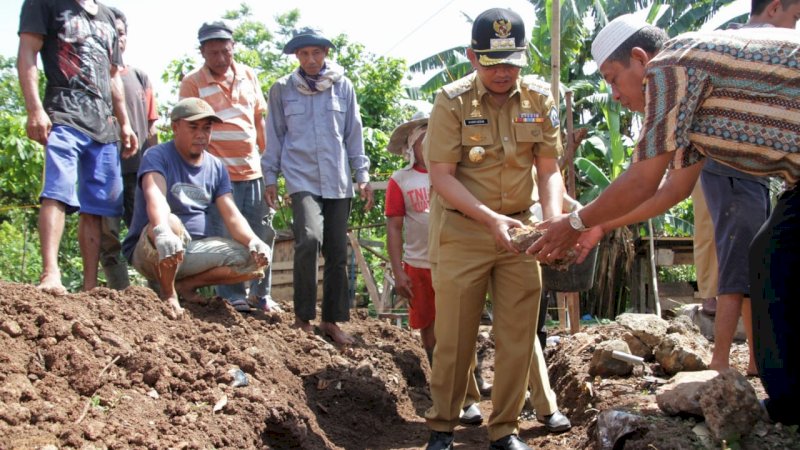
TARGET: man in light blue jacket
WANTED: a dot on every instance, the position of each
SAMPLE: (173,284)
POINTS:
(314,139)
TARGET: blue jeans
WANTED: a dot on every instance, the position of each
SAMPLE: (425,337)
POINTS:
(775,290)
(249,199)
(320,223)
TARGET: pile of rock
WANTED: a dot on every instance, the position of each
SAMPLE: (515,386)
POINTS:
(676,346)
(726,401)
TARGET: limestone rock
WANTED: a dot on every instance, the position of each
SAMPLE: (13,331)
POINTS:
(604,364)
(679,353)
(681,395)
(682,325)
(638,347)
(523,237)
(730,405)
(649,328)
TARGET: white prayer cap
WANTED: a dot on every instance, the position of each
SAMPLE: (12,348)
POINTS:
(614,34)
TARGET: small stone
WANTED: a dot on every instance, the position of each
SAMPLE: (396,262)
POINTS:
(11,328)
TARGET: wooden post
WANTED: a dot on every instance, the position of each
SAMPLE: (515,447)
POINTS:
(366,273)
(555,50)
(572,145)
(574,311)
(561,301)
(653,268)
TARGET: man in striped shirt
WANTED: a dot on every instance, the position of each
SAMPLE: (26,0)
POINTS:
(726,95)
(234,92)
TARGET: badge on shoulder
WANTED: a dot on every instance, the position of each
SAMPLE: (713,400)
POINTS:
(554,117)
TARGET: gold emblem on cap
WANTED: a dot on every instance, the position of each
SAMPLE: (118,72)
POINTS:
(526,104)
(477,154)
(476,109)
(502,28)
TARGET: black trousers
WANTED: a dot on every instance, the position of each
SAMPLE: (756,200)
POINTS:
(775,299)
(320,223)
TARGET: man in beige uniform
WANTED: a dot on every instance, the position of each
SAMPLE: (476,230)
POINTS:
(485,133)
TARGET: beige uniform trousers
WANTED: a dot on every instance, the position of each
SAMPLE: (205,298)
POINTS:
(705,248)
(469,264)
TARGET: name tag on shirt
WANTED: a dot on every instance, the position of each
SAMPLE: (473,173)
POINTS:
(469,122)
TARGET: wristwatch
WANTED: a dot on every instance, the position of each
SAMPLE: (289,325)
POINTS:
(575,221)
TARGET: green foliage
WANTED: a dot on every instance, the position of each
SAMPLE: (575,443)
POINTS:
(20,260)
(10,92)
(22,161)
(682,273)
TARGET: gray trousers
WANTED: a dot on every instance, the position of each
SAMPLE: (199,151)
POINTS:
(249,199)
(320,223)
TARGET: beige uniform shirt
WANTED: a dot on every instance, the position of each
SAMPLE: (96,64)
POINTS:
(463,119)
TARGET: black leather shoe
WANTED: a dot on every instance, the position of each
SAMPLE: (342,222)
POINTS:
(510,442)
(440,440)
(556,422)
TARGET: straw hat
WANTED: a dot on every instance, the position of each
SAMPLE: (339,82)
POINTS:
(398,143)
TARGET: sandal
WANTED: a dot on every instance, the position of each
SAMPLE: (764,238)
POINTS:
(266,304)
(239,304)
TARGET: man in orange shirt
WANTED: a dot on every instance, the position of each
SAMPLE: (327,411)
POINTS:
(234,92)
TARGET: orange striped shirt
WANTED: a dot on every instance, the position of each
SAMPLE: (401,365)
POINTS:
(240,139)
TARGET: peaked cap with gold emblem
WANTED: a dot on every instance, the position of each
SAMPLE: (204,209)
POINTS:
(498,37)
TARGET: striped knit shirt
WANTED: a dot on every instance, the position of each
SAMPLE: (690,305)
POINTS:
(733,96)
(241,138)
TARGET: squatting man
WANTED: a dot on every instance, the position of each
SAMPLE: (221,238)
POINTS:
(167,242)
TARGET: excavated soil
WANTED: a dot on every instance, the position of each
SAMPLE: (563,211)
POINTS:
(108,369)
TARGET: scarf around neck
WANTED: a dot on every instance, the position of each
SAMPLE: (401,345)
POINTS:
(312,84)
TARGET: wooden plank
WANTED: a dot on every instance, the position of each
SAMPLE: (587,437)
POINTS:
(379,185)
(288,278)
(574,311)
(561,301)
(289,265)
(366,273)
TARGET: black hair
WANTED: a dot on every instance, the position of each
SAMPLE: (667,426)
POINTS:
(119,15)
(758,6)
(650,39)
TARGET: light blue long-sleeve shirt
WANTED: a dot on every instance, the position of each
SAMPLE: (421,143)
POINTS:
(315,140)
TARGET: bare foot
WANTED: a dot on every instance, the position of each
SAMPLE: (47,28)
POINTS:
(177,310)
(304,325)
(718,366)
(190,295)
(51,283)
(336,334)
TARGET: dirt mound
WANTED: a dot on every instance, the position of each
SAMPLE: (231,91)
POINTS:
(108,369)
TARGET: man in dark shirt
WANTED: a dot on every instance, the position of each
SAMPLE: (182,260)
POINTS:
(80,54)
(141,107)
